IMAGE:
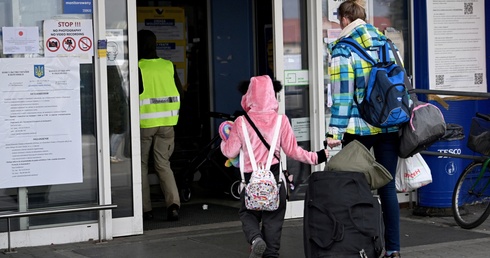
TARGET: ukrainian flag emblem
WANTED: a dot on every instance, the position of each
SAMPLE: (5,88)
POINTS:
(38,71)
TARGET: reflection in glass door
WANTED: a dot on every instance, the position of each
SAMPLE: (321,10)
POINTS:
(296,86)
(118,103)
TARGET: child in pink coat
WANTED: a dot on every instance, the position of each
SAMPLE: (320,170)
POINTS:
(261,105)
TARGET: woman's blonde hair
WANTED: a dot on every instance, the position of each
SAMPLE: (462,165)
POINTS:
(352,10)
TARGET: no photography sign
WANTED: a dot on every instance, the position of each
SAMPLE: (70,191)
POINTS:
(68,37)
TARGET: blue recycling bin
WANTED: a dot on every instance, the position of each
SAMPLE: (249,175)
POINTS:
(446,170)
(445,173)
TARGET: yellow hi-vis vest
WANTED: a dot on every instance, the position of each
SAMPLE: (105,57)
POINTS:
(160,100)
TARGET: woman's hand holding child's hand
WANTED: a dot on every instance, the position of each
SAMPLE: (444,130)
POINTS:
(333,143)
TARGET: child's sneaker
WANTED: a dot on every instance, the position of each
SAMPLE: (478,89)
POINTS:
(258,248)
(394,254)
(115,159)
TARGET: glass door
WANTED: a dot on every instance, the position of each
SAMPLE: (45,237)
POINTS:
(51,77)
(295,61)
(123,116)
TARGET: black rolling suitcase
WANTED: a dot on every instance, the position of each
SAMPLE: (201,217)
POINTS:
(342,218)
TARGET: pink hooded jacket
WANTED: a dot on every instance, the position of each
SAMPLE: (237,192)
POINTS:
(261,105)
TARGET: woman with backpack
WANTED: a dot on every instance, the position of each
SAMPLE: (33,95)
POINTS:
(349,75)
(260,103)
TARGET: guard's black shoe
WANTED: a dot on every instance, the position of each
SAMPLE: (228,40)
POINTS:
(173,212)
(147,215)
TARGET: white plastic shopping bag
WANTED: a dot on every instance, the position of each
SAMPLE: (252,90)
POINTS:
(412,173)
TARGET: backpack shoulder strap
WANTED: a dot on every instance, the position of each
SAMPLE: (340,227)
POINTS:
(384,53)
(358,49)
(249,147)
(274,142)
(408,84)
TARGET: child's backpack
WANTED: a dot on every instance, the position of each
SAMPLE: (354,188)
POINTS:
(262,191)
(386,101)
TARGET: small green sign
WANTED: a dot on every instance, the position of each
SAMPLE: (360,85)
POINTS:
(296,77)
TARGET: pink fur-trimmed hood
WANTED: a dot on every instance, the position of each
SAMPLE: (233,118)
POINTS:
(260,97)
(260,102)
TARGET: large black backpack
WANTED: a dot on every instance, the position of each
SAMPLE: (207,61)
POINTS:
(342,218)
(386,101)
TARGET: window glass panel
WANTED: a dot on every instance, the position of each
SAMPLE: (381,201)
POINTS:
(30,13)
(391,18)
(119,122)
(297,96)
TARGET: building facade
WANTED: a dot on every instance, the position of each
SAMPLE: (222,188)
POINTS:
(69,78)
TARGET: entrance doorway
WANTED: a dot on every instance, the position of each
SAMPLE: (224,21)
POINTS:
(215,59)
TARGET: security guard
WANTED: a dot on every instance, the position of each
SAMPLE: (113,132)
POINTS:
(160,92)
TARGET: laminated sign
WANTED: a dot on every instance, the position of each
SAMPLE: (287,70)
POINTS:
(68,37)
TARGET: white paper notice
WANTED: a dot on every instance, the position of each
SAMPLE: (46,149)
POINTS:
(115,46)
(40,129)
(20,40)
(167,29)
(456,45)
(301,128)
(171,51)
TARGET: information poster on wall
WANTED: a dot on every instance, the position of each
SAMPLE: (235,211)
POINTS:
(115,43)
(301,128)
(456,45)
(40,129)
(168,24)
(20,40)
(68,37)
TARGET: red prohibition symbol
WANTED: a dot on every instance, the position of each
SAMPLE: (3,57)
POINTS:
(85,43)
(69,44)
(53,44)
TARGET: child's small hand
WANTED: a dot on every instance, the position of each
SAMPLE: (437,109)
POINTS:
(326,152)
